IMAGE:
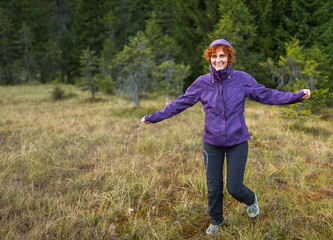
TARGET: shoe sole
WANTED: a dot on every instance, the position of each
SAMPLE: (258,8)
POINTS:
(255,218)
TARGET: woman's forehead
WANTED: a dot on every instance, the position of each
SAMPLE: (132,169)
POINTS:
(219,50)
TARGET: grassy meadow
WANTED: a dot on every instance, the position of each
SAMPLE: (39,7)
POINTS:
(76,169)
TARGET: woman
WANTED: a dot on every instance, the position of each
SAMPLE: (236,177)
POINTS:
(222,93)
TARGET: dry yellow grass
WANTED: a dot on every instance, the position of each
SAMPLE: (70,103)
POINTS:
(73,169)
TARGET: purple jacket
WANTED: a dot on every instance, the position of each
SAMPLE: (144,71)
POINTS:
(222,95)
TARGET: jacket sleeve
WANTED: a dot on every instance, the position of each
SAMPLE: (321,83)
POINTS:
(191,97)
(260,93)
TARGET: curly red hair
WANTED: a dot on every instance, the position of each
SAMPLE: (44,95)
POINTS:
(229,51)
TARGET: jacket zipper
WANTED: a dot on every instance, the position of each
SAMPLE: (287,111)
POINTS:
(224,89)
(221,104)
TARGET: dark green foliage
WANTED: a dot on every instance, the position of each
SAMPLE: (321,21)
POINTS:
(7,47)
(238,27)
(43,40)
(301,69)
(171,78)
(134,65)
(191,23)
(89,67)
(162,44)
(57,93)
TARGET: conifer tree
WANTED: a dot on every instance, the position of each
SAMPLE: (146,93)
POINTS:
(237,26)
(26,42)
(173,76)
(88,29)
(163,46)
(62,38)
(39,21)
(301,68)
(193,20)
(134,65)
(7,48)
(89,67)
(106,75)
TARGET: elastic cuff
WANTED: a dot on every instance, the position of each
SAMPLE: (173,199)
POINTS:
(147,118)
(300,94)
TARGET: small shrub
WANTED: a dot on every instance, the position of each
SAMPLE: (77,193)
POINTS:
(58,93)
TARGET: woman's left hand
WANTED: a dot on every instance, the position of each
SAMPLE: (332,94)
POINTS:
(143,120)
(307,93)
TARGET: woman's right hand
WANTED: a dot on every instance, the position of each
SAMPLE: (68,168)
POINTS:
(143,120)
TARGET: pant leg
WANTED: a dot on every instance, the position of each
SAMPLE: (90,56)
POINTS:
(236,162)
(214,159)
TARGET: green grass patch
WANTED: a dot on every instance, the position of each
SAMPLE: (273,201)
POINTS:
(75,169)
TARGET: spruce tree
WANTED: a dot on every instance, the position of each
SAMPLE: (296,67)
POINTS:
(173,76)
(26,44)
(134,65)
(237,26)
(88,29)
(62,38)
(89,67)
(193,20)
(163,46)
(301,68)
(7,48)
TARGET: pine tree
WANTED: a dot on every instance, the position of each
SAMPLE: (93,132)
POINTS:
(237,26)
(162,45)
(7,48)
(106,75)
(134,65)
(89,67)
(123,19)
(192,21)
(173,75)
(301,68)
(62,38)
(26,42)
(88,29)
(53,60)
(38,19)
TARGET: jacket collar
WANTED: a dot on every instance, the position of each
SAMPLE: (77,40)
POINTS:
(220,75)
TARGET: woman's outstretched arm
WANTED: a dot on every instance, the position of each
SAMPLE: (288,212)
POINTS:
(191,97)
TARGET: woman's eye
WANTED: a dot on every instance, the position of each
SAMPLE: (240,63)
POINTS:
(213,56)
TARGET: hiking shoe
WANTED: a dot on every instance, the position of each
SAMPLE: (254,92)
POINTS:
(253,210)
(212,229)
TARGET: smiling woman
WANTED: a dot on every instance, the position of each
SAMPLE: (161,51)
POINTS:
(219,60)
(220,54)
(222,93)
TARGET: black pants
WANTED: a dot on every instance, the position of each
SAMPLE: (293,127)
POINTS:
(236,161)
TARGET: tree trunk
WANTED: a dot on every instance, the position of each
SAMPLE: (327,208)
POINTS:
(167,85)
(92,92)
(136,93)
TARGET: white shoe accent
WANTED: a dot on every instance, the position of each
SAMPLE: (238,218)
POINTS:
(253,210)
(212,229)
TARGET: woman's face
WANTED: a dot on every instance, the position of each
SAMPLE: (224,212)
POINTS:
(219,60)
